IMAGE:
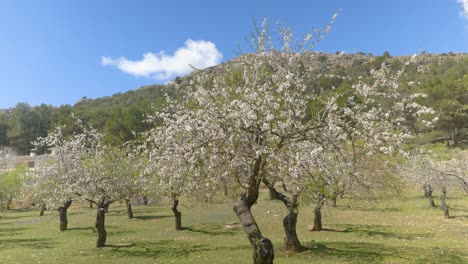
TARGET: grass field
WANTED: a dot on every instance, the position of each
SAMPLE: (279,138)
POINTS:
(385,231)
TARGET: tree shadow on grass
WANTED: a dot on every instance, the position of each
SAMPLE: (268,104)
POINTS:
(376,209)
(111,230)
(164,248)
(20,210)
(35,243)
(376,230)
(10,231)
(362,252)
(212,230)
(14,217)
(90,228)
(173,249)
(151,217)
(350,252)
(75,213)
(347,230)
(459,216)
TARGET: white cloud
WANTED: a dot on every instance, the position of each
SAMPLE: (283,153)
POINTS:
(464,7)
(198,53)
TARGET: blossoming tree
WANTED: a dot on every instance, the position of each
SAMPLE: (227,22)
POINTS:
(82,167)
(243,122)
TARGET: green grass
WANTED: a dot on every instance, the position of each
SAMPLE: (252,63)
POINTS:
(384,231)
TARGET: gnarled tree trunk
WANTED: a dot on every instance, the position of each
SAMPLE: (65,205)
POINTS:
(291,241)
(262,246)
(63,214)
(318,214)
(443,198)
(43,208)
(9,202)
(145,200)
(263,252)
(128,203)
(177,214)
(101,222)
(333,197)
(428,192)
(333,200)
(425,190)
(271,193)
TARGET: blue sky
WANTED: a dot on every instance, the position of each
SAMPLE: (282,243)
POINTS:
(56,52)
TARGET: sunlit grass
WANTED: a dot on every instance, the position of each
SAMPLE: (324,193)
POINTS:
(384,231)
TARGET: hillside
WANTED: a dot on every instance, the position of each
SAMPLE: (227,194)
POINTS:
(443,77)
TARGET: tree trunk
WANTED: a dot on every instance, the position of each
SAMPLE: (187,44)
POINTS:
(100,223)
(63,215)
(271,192)
(106,207)
(129,208)
(317,219)
(177,214)
(145,200)
(333,197)
(426,194)
(263,252)
(444,203)
(271,195)
(429,195)
(284,186)
(90,204)
(291,241)
(225,189)
(9,201)
(43,208)
(318,214)
(262,247)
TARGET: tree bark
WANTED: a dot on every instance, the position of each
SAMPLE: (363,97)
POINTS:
(426,194)
(334,196)
(106,207)
(429,195)
(145,200)
(177,214)
(271,195)
(444,203)
(318,214)
(9,202)
(291,241)
(43,208)
(129,208)
(262,246)
(100,222)
(90,204)
(263,252)
(63,215)
(284,186)
(342,194)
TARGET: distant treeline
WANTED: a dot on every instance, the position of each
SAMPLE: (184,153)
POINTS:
(444,78)
(120,116)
